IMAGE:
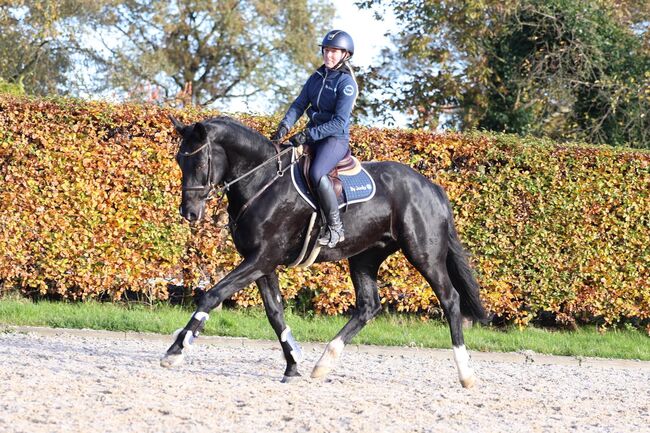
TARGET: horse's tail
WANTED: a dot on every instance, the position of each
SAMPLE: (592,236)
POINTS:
(462,277)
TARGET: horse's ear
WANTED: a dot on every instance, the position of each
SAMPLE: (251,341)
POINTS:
(200,132)
(177,124)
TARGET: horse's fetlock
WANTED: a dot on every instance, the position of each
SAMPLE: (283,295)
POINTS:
(294,348)
(182,340)
(465,371)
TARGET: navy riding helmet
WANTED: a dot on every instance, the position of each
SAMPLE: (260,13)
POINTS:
(338,39)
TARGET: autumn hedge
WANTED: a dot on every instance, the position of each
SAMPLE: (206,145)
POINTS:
(90,193)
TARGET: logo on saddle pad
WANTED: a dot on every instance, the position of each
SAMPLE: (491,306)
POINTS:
(357,186)
(366,187)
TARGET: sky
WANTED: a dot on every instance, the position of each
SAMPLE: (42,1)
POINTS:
(368,36)
(367,33)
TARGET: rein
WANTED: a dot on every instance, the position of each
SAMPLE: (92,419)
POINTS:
(213,189)
(279,174)
(226,185)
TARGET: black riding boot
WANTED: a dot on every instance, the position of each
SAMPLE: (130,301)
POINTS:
(330,207)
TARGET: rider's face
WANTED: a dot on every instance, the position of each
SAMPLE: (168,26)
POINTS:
(332,56)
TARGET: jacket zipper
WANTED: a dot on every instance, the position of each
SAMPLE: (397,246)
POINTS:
(321,91)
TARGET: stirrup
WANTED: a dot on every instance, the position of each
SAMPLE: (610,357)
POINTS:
(332,236)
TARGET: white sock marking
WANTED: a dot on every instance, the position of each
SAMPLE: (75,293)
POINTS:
(285,334)
(332,353)
(200,315)
(462,363)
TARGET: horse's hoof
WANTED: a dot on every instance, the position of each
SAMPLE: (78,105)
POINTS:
(170,361)
(468,382)
(289,379)
(320,371)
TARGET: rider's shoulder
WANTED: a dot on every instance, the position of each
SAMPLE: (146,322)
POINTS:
(346,78)
(348,84)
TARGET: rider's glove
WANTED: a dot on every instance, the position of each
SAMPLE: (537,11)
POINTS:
(299,139)
(280,133)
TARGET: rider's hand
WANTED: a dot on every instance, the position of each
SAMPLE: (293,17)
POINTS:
(299,139)
(280,133)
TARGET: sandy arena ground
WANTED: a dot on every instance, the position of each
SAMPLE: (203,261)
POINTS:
(84,381)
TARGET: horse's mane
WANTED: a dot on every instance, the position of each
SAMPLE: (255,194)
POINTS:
(244,133)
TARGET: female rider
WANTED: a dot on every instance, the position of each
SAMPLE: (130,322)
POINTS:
(328,96)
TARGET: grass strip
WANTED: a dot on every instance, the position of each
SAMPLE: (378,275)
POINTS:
(387,329)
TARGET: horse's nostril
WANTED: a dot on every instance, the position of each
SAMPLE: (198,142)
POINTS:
(190,216)
(191,212)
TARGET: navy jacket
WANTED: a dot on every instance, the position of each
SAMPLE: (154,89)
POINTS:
(328,96)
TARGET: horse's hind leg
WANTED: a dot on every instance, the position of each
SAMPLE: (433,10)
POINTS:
(432,265)
(270,291)
(450,301)
(363,270)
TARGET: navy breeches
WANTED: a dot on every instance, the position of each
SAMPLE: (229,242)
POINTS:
(328,152)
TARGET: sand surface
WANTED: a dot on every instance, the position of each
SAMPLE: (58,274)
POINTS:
(70,381)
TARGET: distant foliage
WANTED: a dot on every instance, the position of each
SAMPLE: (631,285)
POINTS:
(90,195)
(566,69)
(33,48)
(202,52)
(15,89)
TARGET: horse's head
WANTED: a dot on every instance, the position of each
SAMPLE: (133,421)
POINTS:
(203,165)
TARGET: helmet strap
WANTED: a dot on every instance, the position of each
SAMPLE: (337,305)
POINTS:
(343,60)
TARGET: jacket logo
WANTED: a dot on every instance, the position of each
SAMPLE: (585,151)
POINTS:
(349,90)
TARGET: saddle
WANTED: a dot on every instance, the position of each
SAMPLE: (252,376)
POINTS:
(348,166)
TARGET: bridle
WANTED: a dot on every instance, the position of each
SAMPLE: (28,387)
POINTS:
(208,185)
(210,189)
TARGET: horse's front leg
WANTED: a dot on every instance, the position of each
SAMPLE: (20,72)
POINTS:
(270,291)
(248,271)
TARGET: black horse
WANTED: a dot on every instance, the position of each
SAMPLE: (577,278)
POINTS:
(268,221)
